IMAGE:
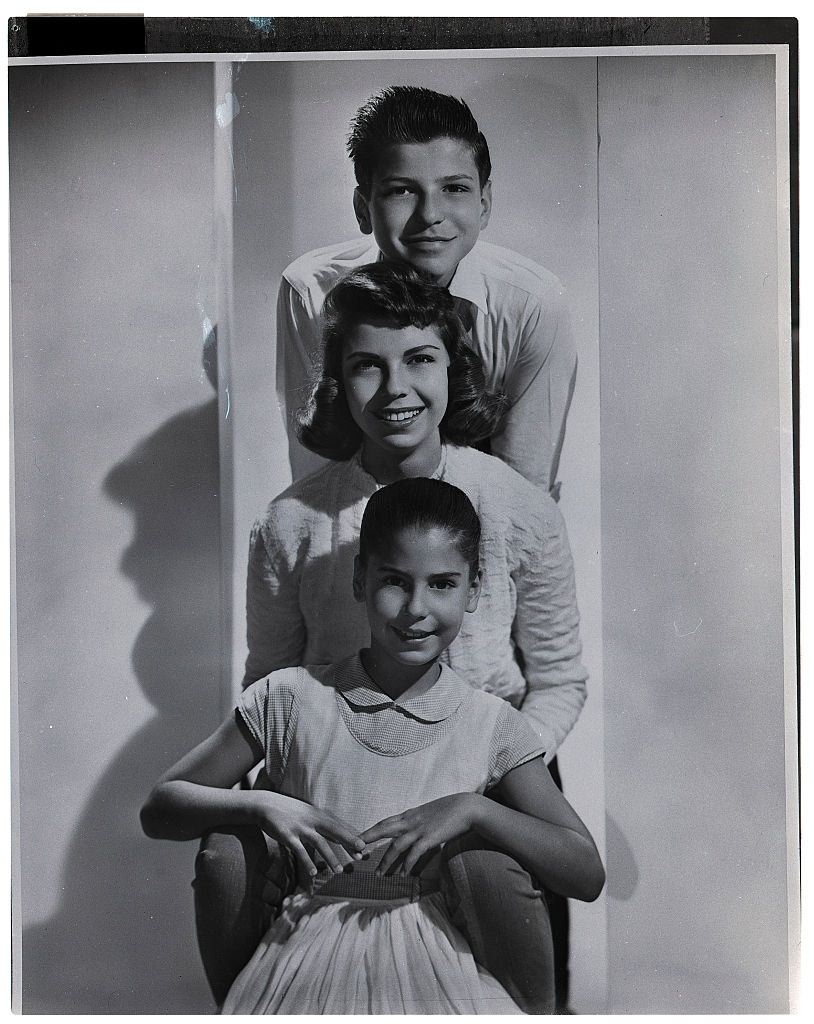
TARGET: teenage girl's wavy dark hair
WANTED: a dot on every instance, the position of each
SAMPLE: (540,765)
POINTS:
(394,295)
(411,113)
(420,504)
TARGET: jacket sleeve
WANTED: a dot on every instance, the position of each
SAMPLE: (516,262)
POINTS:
(539,386)
(299,353)
(546,628)
(275,628)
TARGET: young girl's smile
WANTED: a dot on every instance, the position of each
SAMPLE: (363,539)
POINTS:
(417,593)
(396,387)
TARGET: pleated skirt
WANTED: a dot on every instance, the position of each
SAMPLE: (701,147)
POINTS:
(336,955)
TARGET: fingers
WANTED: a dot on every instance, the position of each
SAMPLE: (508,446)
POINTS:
(335,841)
(326,851)
(387,828)
(343,855)
(416,853)
(393,857)
(301,854)
(410,859)
(339,832)
(408,853)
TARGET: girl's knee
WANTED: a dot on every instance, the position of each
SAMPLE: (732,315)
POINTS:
(229,858)
(483,870)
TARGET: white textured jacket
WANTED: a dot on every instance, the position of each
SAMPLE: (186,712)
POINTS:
(522,643)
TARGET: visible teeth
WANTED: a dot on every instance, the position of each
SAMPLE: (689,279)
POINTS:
(399,417)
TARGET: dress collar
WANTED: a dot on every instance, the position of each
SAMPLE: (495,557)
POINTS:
(435,704)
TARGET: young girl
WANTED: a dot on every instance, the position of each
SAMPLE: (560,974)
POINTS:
(401,750)
(401,396)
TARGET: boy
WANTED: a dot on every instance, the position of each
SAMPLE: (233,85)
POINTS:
(424,193)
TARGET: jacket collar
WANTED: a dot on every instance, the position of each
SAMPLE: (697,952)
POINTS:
(368,484)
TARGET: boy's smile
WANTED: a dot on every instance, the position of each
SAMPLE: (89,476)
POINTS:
(426,206)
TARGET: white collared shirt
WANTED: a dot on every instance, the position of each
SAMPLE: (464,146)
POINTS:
(518,324)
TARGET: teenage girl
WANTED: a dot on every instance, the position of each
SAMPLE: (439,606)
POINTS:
(402,750)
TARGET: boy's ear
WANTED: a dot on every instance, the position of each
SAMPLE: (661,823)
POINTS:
(474,592)
(485,204)
(362,211)
(358,579)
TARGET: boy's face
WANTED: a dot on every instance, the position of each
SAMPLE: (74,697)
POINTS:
(416,592)
(426,206)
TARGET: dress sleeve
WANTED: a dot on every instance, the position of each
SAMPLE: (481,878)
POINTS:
(539,386)
(275,628)
(513,743)
(299,352)
(546,626)
(269,711)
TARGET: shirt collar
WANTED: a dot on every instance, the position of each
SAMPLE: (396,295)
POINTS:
(467,282)
(436,704)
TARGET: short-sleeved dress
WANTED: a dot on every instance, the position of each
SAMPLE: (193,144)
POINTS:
(354,943)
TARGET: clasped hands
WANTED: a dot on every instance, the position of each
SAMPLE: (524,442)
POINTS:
(414,834)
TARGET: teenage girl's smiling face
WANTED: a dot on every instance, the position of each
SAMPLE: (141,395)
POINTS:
(417,593)
(396,386)
(426,206)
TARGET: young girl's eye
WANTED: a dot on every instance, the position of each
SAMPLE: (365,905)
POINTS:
(364,365)
(423,357)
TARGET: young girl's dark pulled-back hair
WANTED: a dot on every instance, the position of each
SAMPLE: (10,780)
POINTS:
(394,295)
(420,503)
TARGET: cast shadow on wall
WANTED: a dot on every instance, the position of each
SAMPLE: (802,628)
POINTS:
(123,940)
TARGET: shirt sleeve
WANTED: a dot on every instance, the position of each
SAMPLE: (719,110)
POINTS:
(275,628)
(539,386)
(546,628)
(269,709)
(299,351)
(513,743)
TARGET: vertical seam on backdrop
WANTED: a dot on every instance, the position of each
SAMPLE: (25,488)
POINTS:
(224,184)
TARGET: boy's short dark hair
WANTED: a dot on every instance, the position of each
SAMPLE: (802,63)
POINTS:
(394,295)
(420,504)
(411,113)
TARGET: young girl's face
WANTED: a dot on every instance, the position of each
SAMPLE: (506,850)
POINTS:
(396,385)
(417,593)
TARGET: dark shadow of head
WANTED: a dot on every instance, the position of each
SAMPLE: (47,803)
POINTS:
(170,484)
(126,910)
